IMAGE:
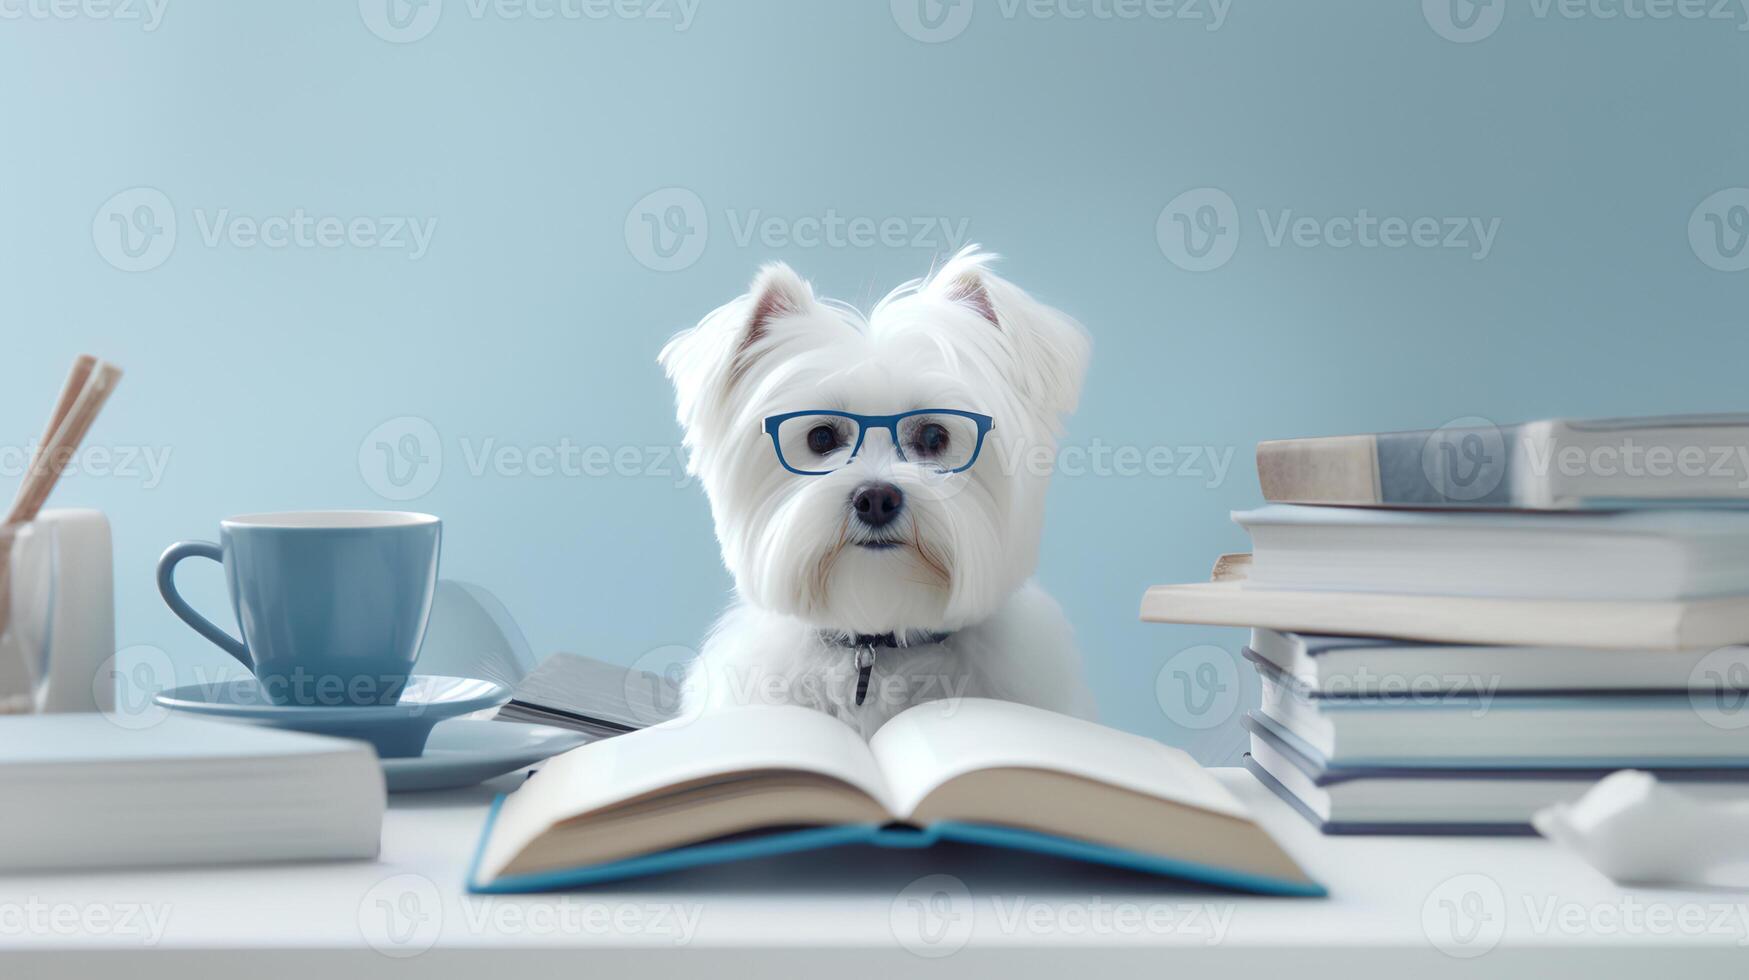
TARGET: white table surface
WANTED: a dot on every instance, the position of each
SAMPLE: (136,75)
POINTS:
(1434,906)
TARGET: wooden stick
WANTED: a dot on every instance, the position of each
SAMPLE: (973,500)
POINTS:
(60,448)
(76,378)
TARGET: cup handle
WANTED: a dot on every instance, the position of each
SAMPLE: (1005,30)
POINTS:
(167,588)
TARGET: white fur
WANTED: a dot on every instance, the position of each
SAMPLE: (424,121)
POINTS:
(970,540)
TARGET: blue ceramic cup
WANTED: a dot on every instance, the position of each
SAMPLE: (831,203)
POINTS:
(333,604)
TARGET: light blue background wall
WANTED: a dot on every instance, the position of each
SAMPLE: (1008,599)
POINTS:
(530,319)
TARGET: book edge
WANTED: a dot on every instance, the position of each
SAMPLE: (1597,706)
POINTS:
(818,838)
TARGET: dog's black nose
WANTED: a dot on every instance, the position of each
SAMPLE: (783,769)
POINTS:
(877,504)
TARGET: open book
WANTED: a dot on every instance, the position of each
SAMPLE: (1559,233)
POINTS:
(758,781)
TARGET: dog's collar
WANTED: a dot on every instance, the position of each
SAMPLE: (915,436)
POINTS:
(860,641)
(865,644)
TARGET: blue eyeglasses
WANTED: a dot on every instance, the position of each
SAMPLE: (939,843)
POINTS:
(815,443)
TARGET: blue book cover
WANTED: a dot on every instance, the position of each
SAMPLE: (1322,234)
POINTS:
(748,847)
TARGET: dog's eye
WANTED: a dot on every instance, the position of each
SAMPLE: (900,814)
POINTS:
(823,439)
(931,439)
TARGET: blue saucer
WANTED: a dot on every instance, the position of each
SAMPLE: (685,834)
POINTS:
(397,730)
(465,751)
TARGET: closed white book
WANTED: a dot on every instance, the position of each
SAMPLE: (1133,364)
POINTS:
(1339,666)
(1402,800)
(82,791)
(1633,555)
(1666,624)
(1509,731)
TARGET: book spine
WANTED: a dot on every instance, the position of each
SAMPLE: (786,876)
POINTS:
(1331,470)
(1448,467)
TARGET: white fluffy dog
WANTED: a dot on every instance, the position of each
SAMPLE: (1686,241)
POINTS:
(878,489)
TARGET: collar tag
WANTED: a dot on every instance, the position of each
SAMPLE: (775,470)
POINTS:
(865,658)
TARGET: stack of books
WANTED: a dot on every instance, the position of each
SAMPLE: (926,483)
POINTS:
(1457,628)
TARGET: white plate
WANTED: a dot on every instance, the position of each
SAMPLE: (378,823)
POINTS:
(465,751)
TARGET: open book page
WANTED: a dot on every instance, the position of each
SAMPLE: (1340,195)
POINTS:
(691,758)
(926,746)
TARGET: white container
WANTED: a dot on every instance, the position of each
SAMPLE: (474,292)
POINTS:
(83,643)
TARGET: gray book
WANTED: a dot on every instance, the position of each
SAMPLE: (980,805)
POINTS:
(1554,464)
(592,696)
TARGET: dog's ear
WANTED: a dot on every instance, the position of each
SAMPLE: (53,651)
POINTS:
(1048,350)
(708,361)
(777,292)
